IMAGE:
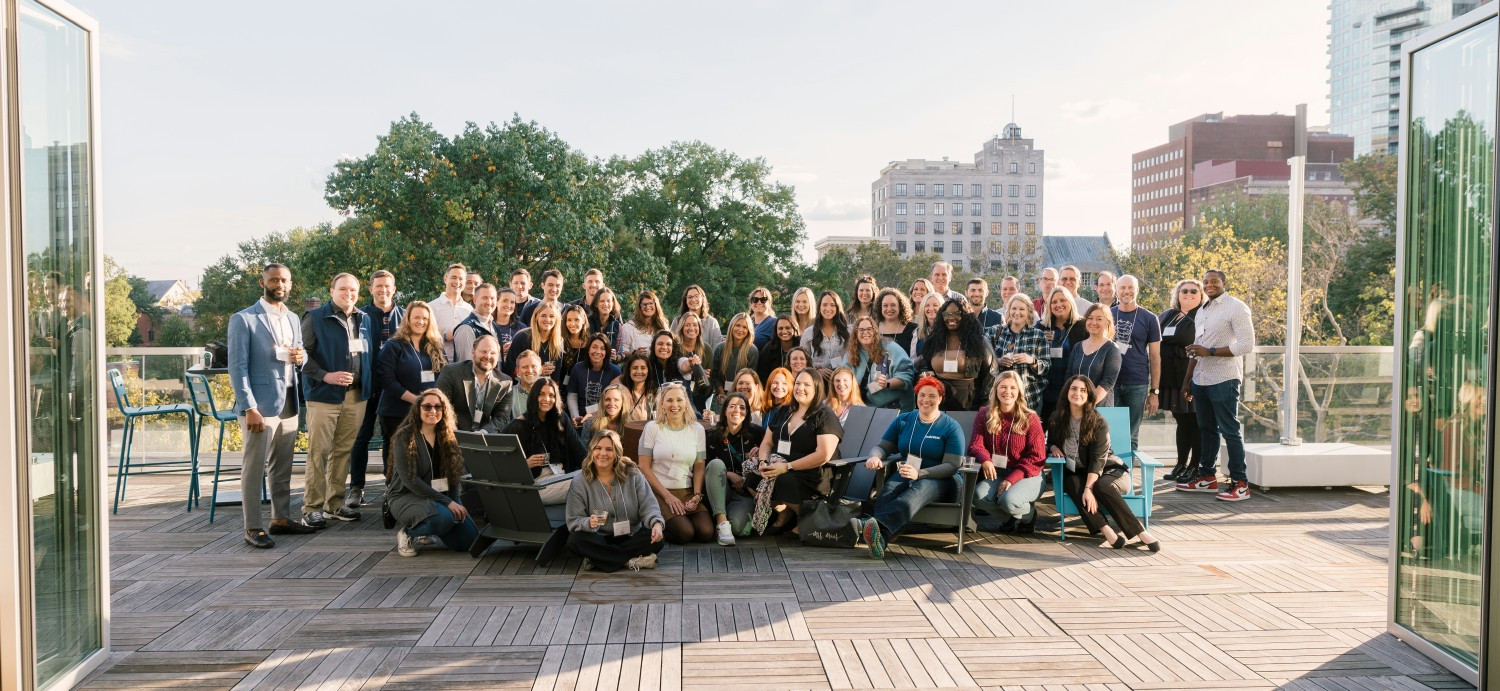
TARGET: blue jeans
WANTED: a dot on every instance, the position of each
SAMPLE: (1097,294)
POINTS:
(1134,398)
(900,498)
(1018,502)
(1218,414)
(455,536)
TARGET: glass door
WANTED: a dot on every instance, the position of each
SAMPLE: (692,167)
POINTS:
(61,369)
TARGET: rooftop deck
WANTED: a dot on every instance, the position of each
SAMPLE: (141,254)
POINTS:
(1285,590)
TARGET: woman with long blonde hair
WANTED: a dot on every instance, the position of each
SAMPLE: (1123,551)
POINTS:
(737,352)
(673,452)
(544,336)
(804,302)
(407,365)
(1009,443)
(613,521)
(843,393)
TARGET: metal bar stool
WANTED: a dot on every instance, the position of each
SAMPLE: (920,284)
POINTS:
(132,413)
(209,412)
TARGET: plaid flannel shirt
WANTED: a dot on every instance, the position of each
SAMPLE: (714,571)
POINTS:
(1030,341)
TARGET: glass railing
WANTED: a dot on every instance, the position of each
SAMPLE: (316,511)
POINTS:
(1344,396)
(153,376)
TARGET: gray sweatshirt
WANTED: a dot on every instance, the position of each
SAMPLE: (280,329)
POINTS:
(628,497)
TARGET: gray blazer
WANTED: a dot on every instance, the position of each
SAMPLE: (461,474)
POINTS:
(259,380)
(456,381)
(410,486)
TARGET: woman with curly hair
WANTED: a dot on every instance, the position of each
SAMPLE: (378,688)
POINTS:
(422,448)
(958,354)
(894,318)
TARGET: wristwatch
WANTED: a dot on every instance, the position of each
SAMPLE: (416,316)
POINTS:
(1156,392)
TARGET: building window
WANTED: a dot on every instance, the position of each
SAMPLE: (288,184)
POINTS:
(938,208)
(937,190)
(937,228)
(921,247)
(1031,209)
(901,189)
(975,246)
(921,209)
(900,247)
(900,208)
(1013,227)
(996,209)
(1031,167)
(996,247)
(995,228)
(1015,167)
(1031,190)
(974,228)
(1015,209)
(1031,229)
(995,167)
(921,190)
(958,208)
(937,246)
(997,190)
(976,190)
(900,227)
(921,227)
(976,209)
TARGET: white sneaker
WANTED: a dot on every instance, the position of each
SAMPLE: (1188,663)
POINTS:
(726,533)
(404,545)
(647,561)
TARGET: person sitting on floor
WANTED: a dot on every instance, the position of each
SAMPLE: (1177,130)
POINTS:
(923,448)
(423,447)
(613,519)
(673,451)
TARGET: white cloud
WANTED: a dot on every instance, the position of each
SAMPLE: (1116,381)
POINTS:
(830,209)
(792,175)
(1095,111)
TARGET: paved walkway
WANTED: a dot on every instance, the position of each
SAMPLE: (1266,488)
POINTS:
(1286,590)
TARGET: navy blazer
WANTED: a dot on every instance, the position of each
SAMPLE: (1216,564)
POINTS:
(259,380)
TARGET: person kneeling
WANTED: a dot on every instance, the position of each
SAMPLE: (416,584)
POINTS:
(422,446)
(926,447)
(613,518)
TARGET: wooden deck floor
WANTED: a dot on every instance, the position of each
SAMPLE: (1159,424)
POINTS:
(1286,590)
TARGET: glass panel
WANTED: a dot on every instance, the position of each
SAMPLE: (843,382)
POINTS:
(59,245)
(1447,289)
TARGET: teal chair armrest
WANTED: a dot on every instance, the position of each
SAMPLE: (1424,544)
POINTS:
(1059,462)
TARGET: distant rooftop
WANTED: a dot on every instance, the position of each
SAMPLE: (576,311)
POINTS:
(1090,253)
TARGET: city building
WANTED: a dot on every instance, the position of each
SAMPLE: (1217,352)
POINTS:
(1215,181)
(1442,551)
(1090,253)
(1162,176)
(849,242)
(175,299)
(982,217)
(1364,58)
(54,556)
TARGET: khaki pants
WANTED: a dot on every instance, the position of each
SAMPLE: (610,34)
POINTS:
(331,429)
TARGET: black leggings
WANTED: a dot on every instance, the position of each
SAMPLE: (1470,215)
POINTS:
(609,553)
(1107,494)
(1189,439)
(388,427)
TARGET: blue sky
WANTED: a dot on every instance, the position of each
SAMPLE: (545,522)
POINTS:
(221,121)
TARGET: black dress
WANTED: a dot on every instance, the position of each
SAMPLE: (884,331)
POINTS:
(904,339)
(536,438)
(797,486)
(771,357)
(1174,358)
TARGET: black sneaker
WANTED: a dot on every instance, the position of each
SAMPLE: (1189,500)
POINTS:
(355,497)
(1008,526)
(315,519)
(259,539)
(343,513)
(1026,527)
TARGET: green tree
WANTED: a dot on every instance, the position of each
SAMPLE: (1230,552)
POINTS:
(1373,180)
(176,332)
(709,217)
(233,283)
(119,310)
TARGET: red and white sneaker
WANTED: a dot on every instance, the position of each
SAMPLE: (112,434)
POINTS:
(1207,483)
(1236,491)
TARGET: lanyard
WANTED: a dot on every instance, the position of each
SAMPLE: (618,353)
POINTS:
(1089,368)
(915,422)
(1004,445)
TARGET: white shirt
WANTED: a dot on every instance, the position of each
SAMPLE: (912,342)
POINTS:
(448,314)
(281,331)
(1223,323)
(673,452)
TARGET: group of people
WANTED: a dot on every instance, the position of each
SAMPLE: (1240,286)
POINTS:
(728,424)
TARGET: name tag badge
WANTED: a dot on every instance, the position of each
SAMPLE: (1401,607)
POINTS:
(566,378)
(950,366)
(620,528)
(1057,352)
(357,346)
(784,447)
(913,460)
(283,353)
(1001,461)
(556,468)
(874,386)
(1124,347)
(591,409)
(1169,331)
(477,415)
(428,376)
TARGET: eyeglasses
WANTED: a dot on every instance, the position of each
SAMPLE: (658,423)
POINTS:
(432,407)
(952,315)
(1189,291)
(759,299)
(865,330)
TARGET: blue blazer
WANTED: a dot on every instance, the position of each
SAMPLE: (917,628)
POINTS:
(259,380)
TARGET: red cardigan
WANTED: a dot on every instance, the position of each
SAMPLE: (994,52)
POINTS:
(1027,452)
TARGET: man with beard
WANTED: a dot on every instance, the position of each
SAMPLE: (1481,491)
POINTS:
(265,354)
(480,395)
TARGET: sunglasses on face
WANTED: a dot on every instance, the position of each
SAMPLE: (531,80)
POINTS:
(432,407)
(758,298)
(1189,291)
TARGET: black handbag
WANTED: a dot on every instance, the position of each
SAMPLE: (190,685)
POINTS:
(826,523)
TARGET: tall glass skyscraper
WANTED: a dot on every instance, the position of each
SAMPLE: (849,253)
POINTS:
(1364,63)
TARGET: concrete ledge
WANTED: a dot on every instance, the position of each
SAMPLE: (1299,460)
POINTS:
(1316,465)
